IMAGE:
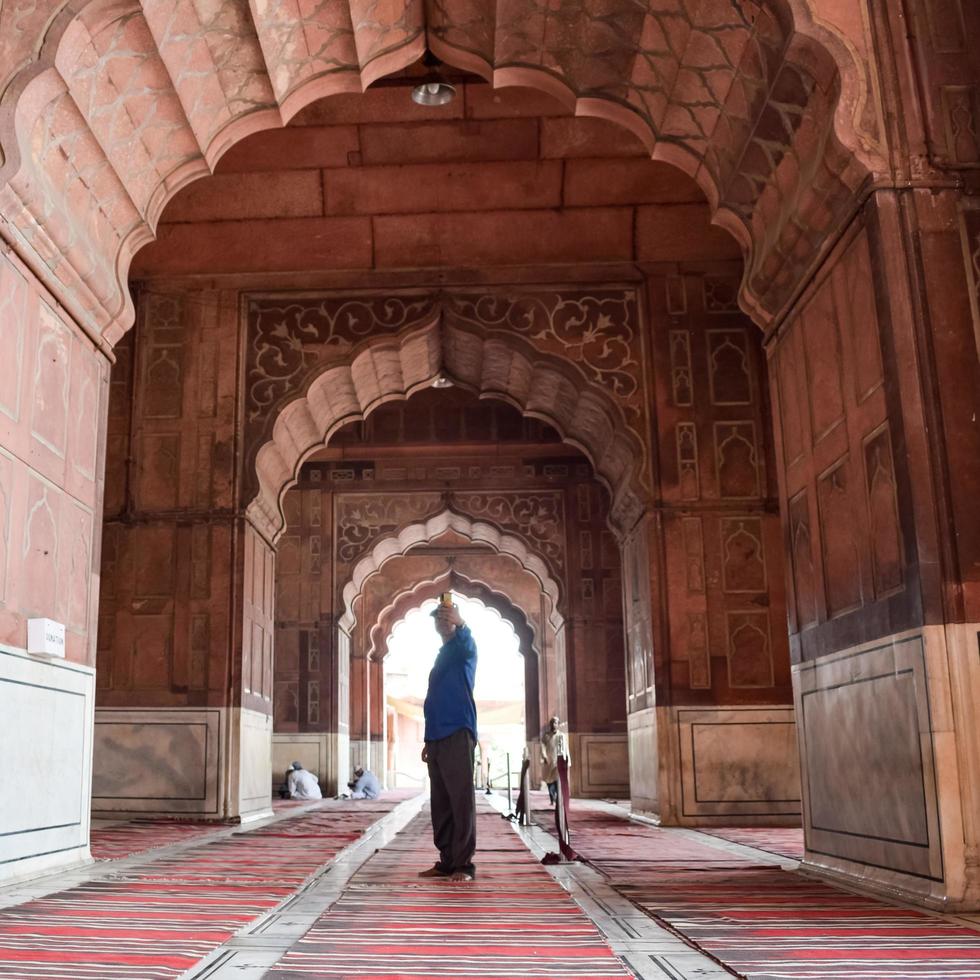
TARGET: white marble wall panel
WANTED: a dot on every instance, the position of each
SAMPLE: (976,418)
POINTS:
(159,760)
(868,742)
(600,765)
(255,764)
(738,762)
(46,748)
(311,749)
(643,760)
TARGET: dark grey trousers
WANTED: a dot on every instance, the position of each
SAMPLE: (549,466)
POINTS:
(453,801)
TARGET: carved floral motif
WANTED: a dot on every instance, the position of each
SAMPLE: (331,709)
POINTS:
(597,330)
(364,518)
(538,518)
(288,338)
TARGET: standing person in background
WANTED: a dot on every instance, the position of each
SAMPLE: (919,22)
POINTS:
(450,737)
(549,757)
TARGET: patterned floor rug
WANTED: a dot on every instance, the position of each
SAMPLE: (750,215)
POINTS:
(785,841)
(513,922)
(120,840)
(765,923)
(157,920)
(769,923)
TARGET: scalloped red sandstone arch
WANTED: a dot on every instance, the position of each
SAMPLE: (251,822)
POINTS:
(493,366)
(109,108)
(478,531)
(505,605)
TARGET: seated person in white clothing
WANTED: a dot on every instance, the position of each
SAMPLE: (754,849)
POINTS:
(364,785)
(302,784)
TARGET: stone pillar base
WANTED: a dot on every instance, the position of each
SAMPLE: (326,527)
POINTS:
(715,766)
(205,763)
(319,752)
(45,728)
(600,765)
(889,735)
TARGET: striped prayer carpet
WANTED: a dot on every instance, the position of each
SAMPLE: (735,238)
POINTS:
(785,841)
(513,922)
(120,840)
(763,922)
(155,921)
(766,922)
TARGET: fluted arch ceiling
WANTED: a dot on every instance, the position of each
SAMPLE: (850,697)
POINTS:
(108,107)
(493,366)
(400,606)
(421,532)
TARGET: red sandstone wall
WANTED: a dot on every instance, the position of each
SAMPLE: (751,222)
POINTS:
(53,401)
(853,574)
(173,553)
(493,179)
(704,574)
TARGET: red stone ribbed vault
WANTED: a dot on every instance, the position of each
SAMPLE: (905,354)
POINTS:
(108,108)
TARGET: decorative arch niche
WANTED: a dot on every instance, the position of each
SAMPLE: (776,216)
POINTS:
(476,531)
(531,647)
(599,409)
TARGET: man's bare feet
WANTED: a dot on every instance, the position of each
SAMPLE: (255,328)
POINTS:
(433,872)
(460,876)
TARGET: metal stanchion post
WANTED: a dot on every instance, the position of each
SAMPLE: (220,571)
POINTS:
(510,795)
(525,820)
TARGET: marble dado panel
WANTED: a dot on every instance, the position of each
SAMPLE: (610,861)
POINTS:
(643,760)
(155,760)
(869,745)
(46,728)
(253,747)
(205,762)
(736,762)
(600,765)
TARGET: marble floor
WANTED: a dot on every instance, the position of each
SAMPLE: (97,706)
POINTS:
(647,945)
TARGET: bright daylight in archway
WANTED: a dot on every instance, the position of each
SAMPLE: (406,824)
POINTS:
(635,341)
(498,692)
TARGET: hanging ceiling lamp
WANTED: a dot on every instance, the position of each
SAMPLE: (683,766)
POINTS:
(433,93)
(435,90)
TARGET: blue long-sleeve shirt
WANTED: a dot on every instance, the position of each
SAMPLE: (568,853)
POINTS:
(449,704)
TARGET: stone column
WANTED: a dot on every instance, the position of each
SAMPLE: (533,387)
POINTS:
(875,381)
(53,402)
(183,723)
(376,761)
(360,709)
(593,680)
(712,738)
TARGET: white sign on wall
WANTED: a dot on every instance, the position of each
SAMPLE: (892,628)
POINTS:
(45,636)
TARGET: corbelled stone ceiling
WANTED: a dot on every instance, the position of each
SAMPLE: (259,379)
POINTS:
(107,109)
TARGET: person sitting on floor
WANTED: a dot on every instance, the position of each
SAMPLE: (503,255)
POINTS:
(302,784)
(364,785)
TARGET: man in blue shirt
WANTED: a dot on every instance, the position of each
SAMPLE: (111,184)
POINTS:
(450,738)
